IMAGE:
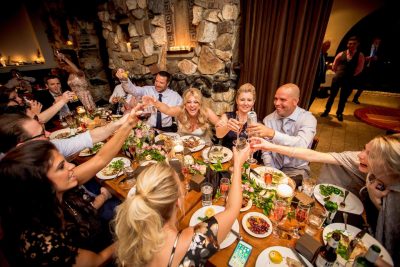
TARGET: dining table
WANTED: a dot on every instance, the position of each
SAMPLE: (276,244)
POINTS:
(193,203)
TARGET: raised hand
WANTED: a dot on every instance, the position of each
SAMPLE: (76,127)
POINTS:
(121,74)
(375,194)
(148,100)
(240,157)
(258,143)
(260,130)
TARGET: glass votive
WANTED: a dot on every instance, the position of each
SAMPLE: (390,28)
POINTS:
(308,185)
(316,218)
(285,192)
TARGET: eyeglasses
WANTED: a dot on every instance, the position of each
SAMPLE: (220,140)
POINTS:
(43,133)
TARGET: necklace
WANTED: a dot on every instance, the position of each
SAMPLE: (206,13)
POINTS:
(74,212)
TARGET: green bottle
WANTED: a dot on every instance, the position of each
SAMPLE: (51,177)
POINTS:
(369,258)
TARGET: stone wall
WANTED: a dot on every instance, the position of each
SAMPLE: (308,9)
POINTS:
(138,35)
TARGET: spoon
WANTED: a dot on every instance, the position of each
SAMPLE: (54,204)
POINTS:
(345,215)
(343,203)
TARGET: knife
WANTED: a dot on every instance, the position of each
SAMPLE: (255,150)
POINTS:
(236,234)
(300,258)
(255,173)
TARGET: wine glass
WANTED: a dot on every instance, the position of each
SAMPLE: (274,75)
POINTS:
(301,215)
(278,213)
(251,120)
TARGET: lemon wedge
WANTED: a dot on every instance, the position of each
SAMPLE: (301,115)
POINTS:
(275,257)
(209,212)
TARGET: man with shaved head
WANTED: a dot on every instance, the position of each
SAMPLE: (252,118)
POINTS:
(288,125)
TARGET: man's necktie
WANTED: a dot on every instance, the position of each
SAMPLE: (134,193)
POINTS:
(158,120)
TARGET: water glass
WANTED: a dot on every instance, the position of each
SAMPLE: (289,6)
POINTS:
(206,194)
(224,187)
(278,213)
(316,218)
(308,185)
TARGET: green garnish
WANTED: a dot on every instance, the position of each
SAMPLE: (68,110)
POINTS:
(327,190)
(117,165)
(96,147)
(202,218)
(331,206)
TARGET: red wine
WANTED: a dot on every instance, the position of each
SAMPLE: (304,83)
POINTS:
(144,116)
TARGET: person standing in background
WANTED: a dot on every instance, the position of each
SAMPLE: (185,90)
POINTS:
(373,67)
(347,66)
(321,71)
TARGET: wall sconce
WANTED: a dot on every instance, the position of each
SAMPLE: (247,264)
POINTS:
(70,41)
(129,47)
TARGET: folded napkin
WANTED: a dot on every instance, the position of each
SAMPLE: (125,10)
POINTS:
(308,247)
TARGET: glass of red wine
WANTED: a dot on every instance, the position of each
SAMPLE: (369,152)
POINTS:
(301,214)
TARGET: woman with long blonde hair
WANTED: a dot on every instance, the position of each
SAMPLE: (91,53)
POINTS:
(377,167)
(193,116)
(146,223)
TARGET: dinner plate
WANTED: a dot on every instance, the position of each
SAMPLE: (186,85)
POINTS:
(166,134)
(261,170)
(102,176)
(353,203)
(256,214)
(201,145)
(227,155)
(201,213)
(248,206)
(352,231)
(264,260)
(88,152)
(63,133)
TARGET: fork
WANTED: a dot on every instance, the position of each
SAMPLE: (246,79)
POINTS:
(343,203)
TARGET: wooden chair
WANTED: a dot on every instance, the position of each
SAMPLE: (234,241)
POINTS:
(315,143)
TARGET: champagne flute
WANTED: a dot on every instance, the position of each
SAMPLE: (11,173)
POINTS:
(251,120)
(278,213)
(241,124)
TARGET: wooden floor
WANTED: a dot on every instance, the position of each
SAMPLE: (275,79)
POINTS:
(351,134)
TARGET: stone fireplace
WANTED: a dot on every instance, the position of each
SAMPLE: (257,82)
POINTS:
(195,40)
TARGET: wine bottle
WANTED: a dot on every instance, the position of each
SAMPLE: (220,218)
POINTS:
(327,255)
(369,258)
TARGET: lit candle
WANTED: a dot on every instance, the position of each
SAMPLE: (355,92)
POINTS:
(128,46)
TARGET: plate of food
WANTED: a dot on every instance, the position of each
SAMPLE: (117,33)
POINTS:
(217,153)
(346,237)
(334,193)
(114,168)
(259,175)
(206,212)
(193,143)
(246,203)
(91,151)
(257,224)
(166,137)
(63,133)
(279,256)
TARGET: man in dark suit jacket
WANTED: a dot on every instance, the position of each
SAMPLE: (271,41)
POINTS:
(50,95)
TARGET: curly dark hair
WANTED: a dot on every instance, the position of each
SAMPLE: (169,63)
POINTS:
(27,196)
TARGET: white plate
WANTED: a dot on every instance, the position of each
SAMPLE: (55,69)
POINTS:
(87,152)
(102,176)
(352,231)
(70,132)
(172,135)
(353,203)
(264,260)
(248,206)
(256,214)
(132,191)
(201,145)
(201,213)
(261,170)
(227,152)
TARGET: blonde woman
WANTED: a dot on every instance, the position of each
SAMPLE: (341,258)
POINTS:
(380,162)
(234,124)
(193,117)
(146,224)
